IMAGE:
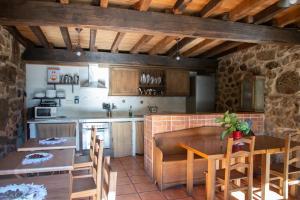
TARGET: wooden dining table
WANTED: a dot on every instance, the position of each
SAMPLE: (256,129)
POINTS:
(62,160)
(58,186)
(34,145)
(213,149)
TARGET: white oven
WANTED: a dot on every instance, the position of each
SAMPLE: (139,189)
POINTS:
(45,112)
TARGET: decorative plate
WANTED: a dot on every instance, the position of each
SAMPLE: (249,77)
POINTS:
(37,157)
(23,192)
(53,140)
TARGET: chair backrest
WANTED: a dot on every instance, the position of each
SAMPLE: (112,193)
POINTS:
(97,165)
(292,151)
(92,142)
(109,181)
(238,150)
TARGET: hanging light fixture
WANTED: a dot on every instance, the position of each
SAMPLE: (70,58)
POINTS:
(78,50)
(287,3)
(177,50)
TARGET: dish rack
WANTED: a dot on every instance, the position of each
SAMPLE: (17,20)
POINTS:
(152,82)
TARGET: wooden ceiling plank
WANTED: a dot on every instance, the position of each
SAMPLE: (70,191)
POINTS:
(151,23)
(117,41)
(287,19)
(236,49)
(180,5)
(161,44)
(267,14)
(209,8)
(40,36)
(182,43)
(200,45)
(66,37)
(64,1)
(144,39)
(220,49)
(19,37)
(142,5)
(93,35)
(103,3)
(60,56)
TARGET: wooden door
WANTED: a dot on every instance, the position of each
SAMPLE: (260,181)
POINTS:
(177,83)
(140,137)
(122,141)
(124,82)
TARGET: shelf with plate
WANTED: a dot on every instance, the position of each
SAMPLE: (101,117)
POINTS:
(55,84)
(151,82)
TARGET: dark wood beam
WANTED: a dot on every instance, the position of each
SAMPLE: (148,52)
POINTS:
(267,14)
(220,49)
(60,56)
(66,37)
(54,14)
(209,8)
(161,44)
(93,34)
(119,37)
(19,37)
(103,3)
(203,45)
(142,5)
(180,5)
(144,39)
(182,43)
(37,31)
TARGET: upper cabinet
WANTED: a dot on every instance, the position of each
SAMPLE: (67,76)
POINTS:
(177,83)
(124,82)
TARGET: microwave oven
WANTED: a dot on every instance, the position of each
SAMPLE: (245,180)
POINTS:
(45,112)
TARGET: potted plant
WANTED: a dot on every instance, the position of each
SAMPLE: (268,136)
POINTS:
(233,126)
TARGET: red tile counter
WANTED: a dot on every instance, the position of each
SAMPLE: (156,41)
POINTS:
(165,123)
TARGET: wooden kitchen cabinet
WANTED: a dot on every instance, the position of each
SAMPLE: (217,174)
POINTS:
(124,82)
(177,83)
(122,138)
(140,138)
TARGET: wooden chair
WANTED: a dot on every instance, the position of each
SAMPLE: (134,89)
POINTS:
(231,175)
(86,161)
(285,171)
(90,185)
(109,181)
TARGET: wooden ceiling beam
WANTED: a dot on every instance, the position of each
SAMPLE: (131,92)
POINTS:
(287,19)
(61,56)
(64,1)
(267,14)
(103,3)
(220,49)
(180,5)
(150,23)
(37,31)
(19,37)
(236,49)
(161,44)
(203,45)
(142,5)
(66,37)
(144,40)
(182,43)
(209,8)
(93,35)
(119,37)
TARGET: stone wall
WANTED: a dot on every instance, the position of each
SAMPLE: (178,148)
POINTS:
(281,67)
(12,87)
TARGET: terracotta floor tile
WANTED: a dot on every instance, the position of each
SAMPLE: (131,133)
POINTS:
(122,174)
(154,195)
(125,189)
(123,181)
(145,187)
(139,172)
(175,193)
(140,179)
(128,197)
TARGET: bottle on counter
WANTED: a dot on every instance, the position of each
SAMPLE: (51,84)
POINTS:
(130,111)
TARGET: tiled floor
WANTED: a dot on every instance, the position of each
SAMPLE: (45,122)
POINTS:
(134,184)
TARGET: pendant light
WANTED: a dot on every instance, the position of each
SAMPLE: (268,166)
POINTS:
(287,3)
(177,50)
(78,50)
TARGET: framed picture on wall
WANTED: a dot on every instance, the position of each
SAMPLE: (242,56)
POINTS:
(53,74)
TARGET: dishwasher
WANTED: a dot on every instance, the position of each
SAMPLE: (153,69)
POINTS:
(102,132)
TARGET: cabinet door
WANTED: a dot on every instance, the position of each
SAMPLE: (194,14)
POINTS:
(122,141)
(140,137)
(124,81)
(177,83)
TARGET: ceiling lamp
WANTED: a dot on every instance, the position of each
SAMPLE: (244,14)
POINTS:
(177,50)
(78,50)
(287,3)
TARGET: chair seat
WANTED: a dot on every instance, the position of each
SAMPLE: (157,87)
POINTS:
(82,161)
(234,174)
(278,168)
(83,187)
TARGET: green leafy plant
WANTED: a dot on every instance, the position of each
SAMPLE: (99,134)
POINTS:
(231,123)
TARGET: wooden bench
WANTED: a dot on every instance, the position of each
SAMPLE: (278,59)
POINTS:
(170,159)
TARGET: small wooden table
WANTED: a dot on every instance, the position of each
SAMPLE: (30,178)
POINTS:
(213,149)
(34,145)
(62,160)
(58,186)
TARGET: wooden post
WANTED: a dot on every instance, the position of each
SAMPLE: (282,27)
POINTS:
(211,179)
(189,172)
(265,175)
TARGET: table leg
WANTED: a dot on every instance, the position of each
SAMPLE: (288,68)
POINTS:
(190,172)
(265,176)
(211,179)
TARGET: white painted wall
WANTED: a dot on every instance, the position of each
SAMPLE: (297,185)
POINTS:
(91,99)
